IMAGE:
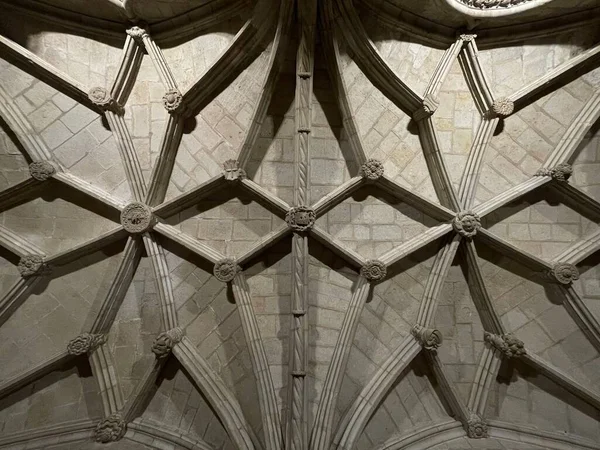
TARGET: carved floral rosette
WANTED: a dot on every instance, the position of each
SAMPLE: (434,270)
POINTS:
(372,169)
(137,218)
(101,97)
(41,170)
(172,100)
(509,345)
(373,270)
(165,341)
(300,218)
(31,265)
(476,427)
(503,107)
(111,429)
(138,33)
(564,273)
(226,269)
(466,223)
(85,343)
(561,173)
(232,170)
(429,338)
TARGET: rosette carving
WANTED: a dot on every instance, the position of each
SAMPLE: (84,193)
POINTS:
(373,270)
(466,223)
(85,343)
(562,172)
(508,344)
(226,270)
(564,273)
(110,429)
(164,342)
(137,218)
(101,97)
(31,265)
(503,107)
(172,100)
(429,338)
(372,169)
(300,218)
(41,170)
(476,427)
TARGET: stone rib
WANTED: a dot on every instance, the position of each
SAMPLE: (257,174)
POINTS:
(164,286)
(16,244)
(403,250)
(527,94)
(160,63)
(580,250)
(104,372)
(487,371)
(45,72)
(271,419)
(161,436)
(22,379)
(456,405)
(426,437)
(580,313)
(322,429)
(19,193)
(353,423)
(31,142)
(443,69)
(265,197)
(348,255)
(118,289)
(90,190)
(190,198)
(510,195)
(577,199)
(17,293)
(191,244)
(129,67)
(216,393)
(142,391)
(44,437)
(263,244)
(337,196)
(129,157)
(475,76)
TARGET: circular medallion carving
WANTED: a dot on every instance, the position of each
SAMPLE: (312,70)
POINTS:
(100,96)
(503,107)
(565,273)
(226,270)
(466,223)
(165,341)
(85,343)
(300,218)
(373,270)
(31,265)
(372,169)
(137,218)
(172,100)
(41,170)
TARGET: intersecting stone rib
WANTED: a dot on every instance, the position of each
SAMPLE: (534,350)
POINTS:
(110,306)
(487,371)
(322,430)
(265,197)
(162,437)
(263,244)
(456,405)
(190,198)
(509,250)
(129,67)
(32,143)
(580,313)
(510,195)
(348,255)
(45,437)
(15,296)
(475,76)
(580,250)
(160,63)
(525,95)
(193,245)
(104,372)
(269,409)
(353,423)
(562,379)
(443,69)
(576,132)
(16,244)
(338,195)
(163,281)
(86,248)
(426,437)
(22,379)
(19,193)
(142,391)
(414,244)
(577,199)
(90,190)
(46,72)
(221,400)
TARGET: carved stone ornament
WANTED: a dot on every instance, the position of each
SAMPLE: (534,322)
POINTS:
(373,270)
(138,33)
(466,223)
(100,97)
(488,4)
(503,107)
(41,170)
(111,429)
(165,341)
(137,218)
(30,265)
(562,172)
(172,100)
(468,37)
(372,169)
(300,218)
(565,273)
(429,338)
(508,344)
(226,270)
(476,427)
(232,170)
(428,107)
(85,343)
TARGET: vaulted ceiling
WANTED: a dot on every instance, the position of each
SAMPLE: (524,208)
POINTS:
(335,224)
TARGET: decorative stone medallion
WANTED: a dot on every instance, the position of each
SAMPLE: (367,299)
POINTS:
(490,4)
(137,218)
(429,338)
(85,343)
(508,344)
(468,37)
(372,169)
(232,170)
(373,270)
(111,429)
(30,265)
(41,170)
(226,270)
(163,344)
(565,273)
(172,100)
(138,33)
(100,97)
(503,107)
(300,218)
(476,427)
(561,173)
(466,223)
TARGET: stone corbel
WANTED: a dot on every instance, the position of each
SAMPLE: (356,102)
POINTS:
(429,338)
